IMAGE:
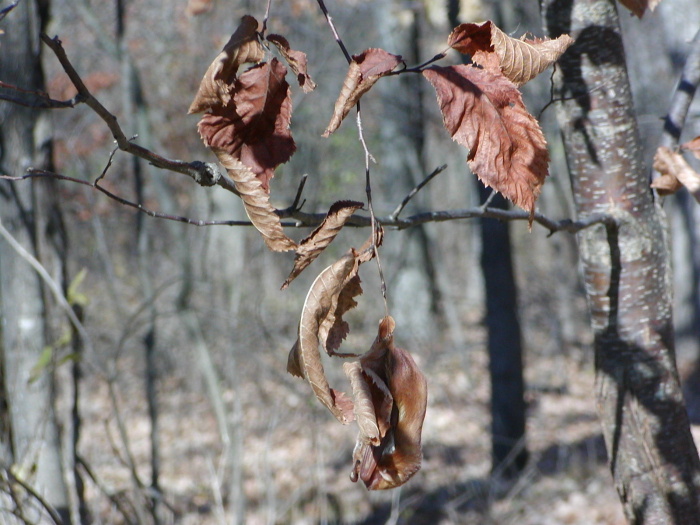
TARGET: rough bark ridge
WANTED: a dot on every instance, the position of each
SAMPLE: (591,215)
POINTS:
(652,456)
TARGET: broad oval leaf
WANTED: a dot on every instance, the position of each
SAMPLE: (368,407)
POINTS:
(520,60)
(217,83)
(363,72)
(484,112)
(254,126)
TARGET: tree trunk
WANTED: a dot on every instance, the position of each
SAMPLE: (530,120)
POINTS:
(652,456)
(508,451)
(25,214)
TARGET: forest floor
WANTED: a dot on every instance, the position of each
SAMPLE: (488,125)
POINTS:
(295,458)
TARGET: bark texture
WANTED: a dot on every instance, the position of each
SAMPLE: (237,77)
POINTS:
(651,452)
(27,213)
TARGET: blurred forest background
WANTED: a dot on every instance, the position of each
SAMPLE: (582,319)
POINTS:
(189,328)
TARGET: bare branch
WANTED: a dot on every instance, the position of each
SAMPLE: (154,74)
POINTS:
(682,98)
(4,11)
(203,173)
(34,99)
(415,190)
(33,493)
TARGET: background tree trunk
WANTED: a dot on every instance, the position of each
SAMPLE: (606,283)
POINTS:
(26,212)
(652,456)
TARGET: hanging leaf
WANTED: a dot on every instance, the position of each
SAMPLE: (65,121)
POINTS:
(364,70)
(257,203)
(310,247)
(638,7)
(673,165)
(693,146)
(216,86)
(304,356)
(520,60)
(363,406)
(399,394)
(296,60)
(254,126)
(484,112)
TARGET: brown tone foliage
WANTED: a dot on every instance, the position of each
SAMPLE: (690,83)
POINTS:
(520,60)
(484,112)
(296,60)
(363,72)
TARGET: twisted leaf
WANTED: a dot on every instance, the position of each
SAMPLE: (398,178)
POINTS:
(256,202)
(520,60)
(243,46)
(296,60)
(311,247)
(364,70)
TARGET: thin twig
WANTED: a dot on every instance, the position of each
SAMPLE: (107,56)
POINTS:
(489,199)
(34,99)
(295,205)
(5,10)
(419,68)
(415,190)
(112,497)
(682,98)
(34,494)
(267,16)
(322,5)
(36,173)
(54,287)
(312,220)
(203,173)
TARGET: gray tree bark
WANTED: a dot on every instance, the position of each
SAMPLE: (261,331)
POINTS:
(34,435)
(651,452)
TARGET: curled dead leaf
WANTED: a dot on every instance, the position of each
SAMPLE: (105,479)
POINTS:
(217,83)
(693,146)
(363,72)
(672,164)
(484,112)
(310,247)
(399,394)
(520,60)
(254,126)
(296,60)
(256,202)
(364,407)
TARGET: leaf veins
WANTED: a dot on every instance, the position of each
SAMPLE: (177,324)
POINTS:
(256,202)
(484,112)
(520,60)
(254,126)
(364,70)
(243,46)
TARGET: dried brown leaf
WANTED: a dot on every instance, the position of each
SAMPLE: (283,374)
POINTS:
(334,329)
(254,126)
(520,60)
(296,60)
(670,163)
(364,70)
(318,304)
(638,7)
(311,247)
(398,455)
(693,146)
(364,407)
(484,112)
(217,83)
(256,202)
